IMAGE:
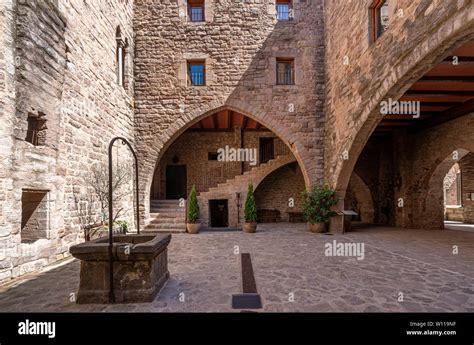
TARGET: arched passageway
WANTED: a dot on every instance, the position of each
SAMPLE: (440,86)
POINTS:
(219,155)
(415,140)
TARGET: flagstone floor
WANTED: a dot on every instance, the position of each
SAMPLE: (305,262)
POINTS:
(292,272)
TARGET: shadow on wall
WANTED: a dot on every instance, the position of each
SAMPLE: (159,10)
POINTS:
(247,83)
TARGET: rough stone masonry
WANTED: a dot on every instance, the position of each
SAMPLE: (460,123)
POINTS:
(61,101)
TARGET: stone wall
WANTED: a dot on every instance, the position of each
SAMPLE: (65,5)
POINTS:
(359,199)
(450,184)
(360,75)
(240,45)
(59,63)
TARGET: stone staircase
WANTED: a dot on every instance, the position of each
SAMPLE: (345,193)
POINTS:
(256,175)
(166,216)
(239,184)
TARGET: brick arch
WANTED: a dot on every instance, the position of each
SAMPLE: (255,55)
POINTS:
(192,116)
(399,79)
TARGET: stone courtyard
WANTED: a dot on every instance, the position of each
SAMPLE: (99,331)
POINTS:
(287,259)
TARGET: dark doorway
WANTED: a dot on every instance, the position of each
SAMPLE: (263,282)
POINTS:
(219,213)
(176,179)
(267,150)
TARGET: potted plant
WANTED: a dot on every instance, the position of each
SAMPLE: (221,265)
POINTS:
(123,226)
(317,207)
(250,211)
(192,224)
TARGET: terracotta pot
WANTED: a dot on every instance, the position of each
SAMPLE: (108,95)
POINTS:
(193,228)
(250,227)
(317,228)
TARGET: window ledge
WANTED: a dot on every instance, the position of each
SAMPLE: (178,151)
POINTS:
(286,22)
(196,23)
(285,86)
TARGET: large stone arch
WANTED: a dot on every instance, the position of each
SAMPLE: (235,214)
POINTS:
(396,80)
(370,116)
(150,156)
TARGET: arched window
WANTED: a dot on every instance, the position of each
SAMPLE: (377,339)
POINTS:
(121,55)
(379,18)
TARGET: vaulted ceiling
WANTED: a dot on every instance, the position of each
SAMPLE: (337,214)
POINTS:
(227,120)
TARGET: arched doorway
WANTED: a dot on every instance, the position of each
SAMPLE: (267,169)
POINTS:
(219,155)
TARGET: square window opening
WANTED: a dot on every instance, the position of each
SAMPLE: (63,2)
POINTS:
(285,71)
(379,19)
(212,156)
(284,9)
(34,215)
(36,131)
(196,10)
(196,73)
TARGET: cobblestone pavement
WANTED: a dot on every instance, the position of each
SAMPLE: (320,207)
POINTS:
(288,260)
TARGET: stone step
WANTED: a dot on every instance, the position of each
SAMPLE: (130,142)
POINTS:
(178,224)
(167,221)
(167,210)
(167,206)
(166,226)
(163,231)
(160,214)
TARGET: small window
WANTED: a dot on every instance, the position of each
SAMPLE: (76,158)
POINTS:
(196,73)
(284,10)
(121,55)
(379,18)
(36,132)
(34,215)
(212,156)
(196,10)
(285,72)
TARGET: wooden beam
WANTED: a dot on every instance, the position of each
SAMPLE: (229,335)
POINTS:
(209,130)
(449,78)
(400,123)
(450,59)
(449,115)
(245,119)
(230,116)
(439,93)
(215,121)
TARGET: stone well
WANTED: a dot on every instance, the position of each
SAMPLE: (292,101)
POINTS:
(140,266)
